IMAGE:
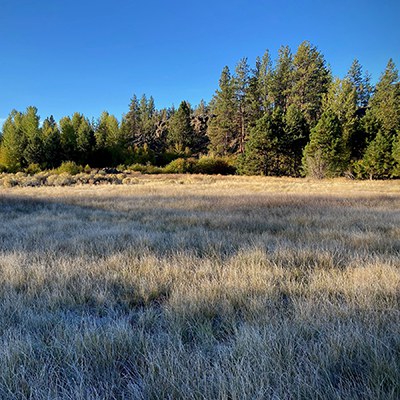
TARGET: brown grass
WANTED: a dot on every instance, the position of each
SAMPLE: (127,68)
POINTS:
(195,287)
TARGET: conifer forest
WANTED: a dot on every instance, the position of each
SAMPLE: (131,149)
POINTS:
(287,115)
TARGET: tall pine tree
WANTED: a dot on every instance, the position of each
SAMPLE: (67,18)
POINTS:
(325,155)
(223,128)
(311,79)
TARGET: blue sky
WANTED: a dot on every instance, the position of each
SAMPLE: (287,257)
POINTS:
(89,56)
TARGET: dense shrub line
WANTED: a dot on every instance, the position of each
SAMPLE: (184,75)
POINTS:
(69,173)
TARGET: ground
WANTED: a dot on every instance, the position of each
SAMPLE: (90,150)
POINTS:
(196,287)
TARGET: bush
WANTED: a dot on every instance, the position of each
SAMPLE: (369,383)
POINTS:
(137,168)
(214,165)
(32,169)
(69,167)
(60,179)
(181,166)
(145,169)
(8,181)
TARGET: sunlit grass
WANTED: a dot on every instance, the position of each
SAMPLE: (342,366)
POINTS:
(201,287)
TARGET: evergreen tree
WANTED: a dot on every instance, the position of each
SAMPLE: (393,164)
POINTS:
(281,84)
(51,142)
(222,128)
(67,139)
(180,132)
(147,125)
(383,123)
(311,79)
(385,103)
(262,152)
(110,142)
(13,142)
(131,121)
(34,147)
(295,138)
(378,161)
(140,124)
(85,140)
(361,83)
(107,132)
(241,84)
(396,155)
(200,119)
(258,92)
(264,77)
(341,100)
(326,155)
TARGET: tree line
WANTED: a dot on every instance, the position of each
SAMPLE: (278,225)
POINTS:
(288,117)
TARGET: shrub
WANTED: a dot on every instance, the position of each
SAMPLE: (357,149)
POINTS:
(69,167)
(137,168)
(32,169)
(214,165)
(145,169)
(181,166)
(8,181)
(61,179)
(122,167)
(152,169)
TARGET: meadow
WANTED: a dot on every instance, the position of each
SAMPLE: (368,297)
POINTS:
(200,287)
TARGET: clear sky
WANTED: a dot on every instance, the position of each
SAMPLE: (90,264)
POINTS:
(93,55)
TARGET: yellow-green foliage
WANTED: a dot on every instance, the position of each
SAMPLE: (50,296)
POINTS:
(69,167)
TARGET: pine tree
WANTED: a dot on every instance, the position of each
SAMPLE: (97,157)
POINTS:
(264,77)
(311,79)
(385,103)
(258,92)
(378,161)
(200,119)
(34,148)
(396,155)
(13,142)
(341,100)
(131,121)
(110,142)
(326,155)
(147,125)
(52,142)
(295,138)
(262,154)
(241,84)
(223,129)
(85,140)
(281,84)
(107,132)
(68,140)
(181,135)
(361,83)
(383,120)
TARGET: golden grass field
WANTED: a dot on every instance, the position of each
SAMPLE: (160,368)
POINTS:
(199,287)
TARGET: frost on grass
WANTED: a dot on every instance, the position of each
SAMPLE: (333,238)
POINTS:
(201,289)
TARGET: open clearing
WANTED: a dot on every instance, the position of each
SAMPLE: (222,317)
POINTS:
(196,287)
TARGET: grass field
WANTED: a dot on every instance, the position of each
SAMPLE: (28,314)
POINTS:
(192,287)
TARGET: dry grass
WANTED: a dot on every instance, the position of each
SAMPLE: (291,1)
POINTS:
(191,287)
